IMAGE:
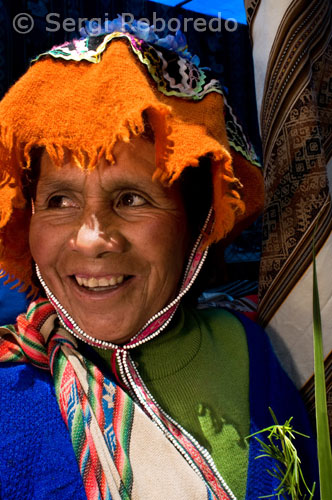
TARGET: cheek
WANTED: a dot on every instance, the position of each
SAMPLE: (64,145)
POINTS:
(45,242)
(164,242)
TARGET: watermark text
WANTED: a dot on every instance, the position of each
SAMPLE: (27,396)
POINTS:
(23,23)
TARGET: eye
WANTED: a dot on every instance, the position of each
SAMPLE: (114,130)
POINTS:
(131,200)
(60,201)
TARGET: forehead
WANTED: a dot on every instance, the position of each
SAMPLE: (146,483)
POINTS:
(134,160)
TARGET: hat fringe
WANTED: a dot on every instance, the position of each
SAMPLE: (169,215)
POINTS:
(15,156)
(15,212)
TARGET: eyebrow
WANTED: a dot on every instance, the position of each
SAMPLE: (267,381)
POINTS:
(132,184)
(130,181)
(51,183)
(55,183)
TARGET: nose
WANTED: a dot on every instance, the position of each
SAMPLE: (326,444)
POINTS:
(94,239)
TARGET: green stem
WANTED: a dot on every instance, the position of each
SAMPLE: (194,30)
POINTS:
(322,424)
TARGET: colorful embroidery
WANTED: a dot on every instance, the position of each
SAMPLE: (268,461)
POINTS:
(174,74)
(102,418)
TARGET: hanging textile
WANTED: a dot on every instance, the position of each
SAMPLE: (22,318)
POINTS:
(292,51)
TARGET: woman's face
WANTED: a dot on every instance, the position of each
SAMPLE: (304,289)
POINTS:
(110,244)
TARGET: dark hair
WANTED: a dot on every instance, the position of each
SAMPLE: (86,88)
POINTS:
(31,175)
(197,192)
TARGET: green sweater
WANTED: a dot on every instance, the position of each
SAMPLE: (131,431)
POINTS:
(198,371)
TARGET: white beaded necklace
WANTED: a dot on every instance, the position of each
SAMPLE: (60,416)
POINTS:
(125,362)
(72,327)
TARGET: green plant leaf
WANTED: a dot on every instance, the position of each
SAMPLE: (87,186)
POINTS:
(287,468)
(322,424)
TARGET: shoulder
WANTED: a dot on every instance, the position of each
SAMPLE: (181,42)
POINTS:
(36,455)
(219,319)
(230,326)
(233,324)
(228,317)
(269,384)
(21,376)
(28,387)
(12,303)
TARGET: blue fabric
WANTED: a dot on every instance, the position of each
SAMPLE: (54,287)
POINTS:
(37,460)
(271,387)
(12,303)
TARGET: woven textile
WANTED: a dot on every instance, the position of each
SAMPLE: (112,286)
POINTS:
(295,119)
(35,468)
(107,427)
(297,144)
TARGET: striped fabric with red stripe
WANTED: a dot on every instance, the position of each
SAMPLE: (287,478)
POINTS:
(80,388)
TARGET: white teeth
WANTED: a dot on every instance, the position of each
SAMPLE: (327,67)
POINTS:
(99,282)
(92,282)
(103,282)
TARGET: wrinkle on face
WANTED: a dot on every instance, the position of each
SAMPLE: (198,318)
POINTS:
(90,230)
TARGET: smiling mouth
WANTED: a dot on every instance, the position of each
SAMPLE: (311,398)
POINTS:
(95,284)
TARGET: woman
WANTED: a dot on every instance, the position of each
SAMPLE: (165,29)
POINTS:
(116,177)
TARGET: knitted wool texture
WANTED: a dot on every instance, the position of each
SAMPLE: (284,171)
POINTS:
(86,108)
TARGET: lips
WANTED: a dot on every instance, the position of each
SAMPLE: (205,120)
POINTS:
(99,282)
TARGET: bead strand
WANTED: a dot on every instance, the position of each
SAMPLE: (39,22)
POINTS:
(142,400)
(79,333)
(198,241)
(124,360)
(163,311)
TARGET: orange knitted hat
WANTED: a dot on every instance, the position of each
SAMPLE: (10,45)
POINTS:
(88,94)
